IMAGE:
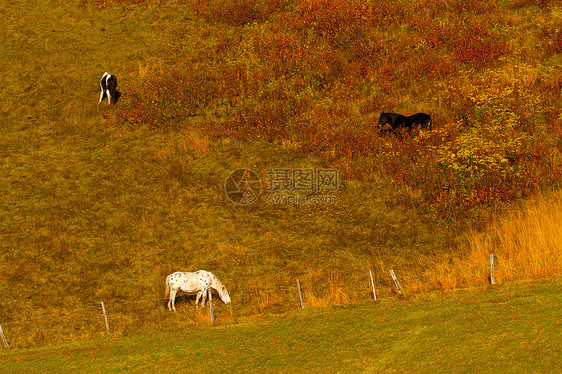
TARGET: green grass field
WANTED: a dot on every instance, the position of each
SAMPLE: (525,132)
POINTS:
(510,329)
(100,203)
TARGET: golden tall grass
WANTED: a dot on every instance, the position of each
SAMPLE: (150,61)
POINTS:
(325,288)
(526,245)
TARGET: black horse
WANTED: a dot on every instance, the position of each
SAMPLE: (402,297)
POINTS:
(398,121)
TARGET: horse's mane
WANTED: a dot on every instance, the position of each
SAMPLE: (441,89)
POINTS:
(216,281)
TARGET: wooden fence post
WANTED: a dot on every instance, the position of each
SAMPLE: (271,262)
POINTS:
(4,338)
(105,317)
(300,294)
(396,281)
(373,285)
(492,280)
(211,313)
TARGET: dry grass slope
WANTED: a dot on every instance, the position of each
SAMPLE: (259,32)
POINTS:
(101,203)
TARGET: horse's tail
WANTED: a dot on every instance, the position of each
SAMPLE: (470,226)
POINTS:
(167,293)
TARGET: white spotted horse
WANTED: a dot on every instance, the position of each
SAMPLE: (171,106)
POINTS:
(197,282)
(398,121)
(108,85)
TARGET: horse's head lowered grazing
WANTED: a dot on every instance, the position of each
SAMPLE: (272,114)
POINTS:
(221,289)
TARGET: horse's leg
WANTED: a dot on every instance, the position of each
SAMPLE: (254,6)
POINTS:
(205,296)
(172,300)
(197,299)
(169,292)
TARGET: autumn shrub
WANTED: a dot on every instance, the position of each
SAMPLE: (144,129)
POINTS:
(471,43)
(339,21)
(538,3)
(317,74)
(430,67)
(236,12)
(489,158)
(477,45)
(163,98)
(481,166)
(553,38)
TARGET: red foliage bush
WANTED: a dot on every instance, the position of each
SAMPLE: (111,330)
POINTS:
(471,44)
(296,77)
(540,3)
(341,22)
(163,98)
(553,39)
(477,45)
(236,12)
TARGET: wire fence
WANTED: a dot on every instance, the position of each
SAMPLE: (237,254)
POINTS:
(121,318)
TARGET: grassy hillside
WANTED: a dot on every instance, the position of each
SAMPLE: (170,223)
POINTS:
(100,203)
(512,329)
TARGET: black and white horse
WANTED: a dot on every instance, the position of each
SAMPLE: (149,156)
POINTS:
(397,121)
(108,85)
